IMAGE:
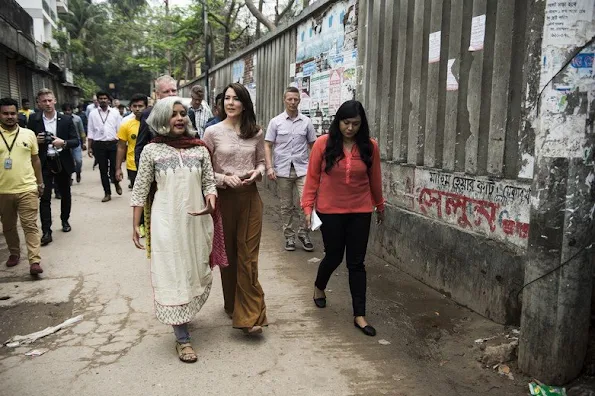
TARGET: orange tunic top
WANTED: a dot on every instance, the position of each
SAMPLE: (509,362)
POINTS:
(348,188)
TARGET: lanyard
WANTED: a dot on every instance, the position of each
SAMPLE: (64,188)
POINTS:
(106,117)
(13,141)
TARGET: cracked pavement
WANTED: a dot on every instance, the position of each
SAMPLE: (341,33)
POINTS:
(120,348)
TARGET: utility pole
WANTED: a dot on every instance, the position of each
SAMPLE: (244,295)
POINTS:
(559,113)
(205,17)
(168,51)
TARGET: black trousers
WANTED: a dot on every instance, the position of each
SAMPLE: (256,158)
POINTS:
(131,176)
(105,153)
(346,233)
(61,182)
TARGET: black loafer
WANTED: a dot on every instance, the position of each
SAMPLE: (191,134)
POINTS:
(46,238)
(320,302)
(66,226)
(367,330)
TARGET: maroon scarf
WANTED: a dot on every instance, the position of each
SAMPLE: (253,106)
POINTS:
(218,256)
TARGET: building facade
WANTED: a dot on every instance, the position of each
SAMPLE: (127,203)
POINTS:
(26,64)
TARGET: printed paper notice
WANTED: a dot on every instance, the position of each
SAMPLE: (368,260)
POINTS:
(478,31)
(434,49)
(564,20)
(451,81)
(292,70)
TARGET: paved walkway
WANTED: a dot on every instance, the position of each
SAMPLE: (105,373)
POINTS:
(119,348)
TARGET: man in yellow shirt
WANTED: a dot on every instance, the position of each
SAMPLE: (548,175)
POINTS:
(21,184)
(24,113)
(127,135)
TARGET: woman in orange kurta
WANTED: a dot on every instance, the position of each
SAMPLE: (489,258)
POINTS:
(344,183)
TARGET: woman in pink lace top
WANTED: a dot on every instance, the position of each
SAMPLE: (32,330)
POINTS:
(237,146)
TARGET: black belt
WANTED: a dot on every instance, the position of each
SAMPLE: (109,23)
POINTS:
(105,141)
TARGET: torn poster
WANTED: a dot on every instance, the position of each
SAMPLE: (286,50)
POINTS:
(451,81)
(478,31)
(568,22)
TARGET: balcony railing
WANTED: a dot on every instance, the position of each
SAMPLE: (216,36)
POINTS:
(62,6)
(15,15)
(49,11)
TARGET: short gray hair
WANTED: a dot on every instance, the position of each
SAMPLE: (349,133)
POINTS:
(161,113)
(197,89)
(166,78)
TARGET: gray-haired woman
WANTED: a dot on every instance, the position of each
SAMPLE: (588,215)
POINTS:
(179,238)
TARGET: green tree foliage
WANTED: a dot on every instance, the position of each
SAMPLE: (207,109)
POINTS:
(88,86)
(129,43)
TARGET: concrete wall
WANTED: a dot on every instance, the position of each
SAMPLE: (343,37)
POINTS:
(443,84)
(442,81)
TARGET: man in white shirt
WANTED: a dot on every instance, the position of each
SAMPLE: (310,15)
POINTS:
(199,111)
(92,106)
(102,130)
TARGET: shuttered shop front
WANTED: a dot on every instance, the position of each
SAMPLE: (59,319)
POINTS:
(4,81)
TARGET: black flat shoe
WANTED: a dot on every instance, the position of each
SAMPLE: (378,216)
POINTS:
(367,330)
(320,302)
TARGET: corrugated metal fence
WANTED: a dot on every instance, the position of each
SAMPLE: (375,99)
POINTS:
(470,125)
(420,113)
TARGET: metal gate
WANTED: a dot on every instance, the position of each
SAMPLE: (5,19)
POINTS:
(4,84)
(13,80)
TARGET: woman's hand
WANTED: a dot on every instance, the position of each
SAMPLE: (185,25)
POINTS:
(272,175)
(379,217)
(253,176)
(309,220)
(136,238)
(232,181)
(209,208)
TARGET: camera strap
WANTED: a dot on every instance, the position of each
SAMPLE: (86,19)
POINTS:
(13,141)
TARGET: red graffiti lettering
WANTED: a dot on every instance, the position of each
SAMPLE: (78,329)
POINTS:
(428,198)
(454,202)
(523,230)
(508,226)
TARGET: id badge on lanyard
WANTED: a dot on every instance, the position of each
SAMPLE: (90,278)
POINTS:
(8,161)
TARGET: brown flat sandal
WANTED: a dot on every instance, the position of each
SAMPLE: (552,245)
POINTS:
(252,330)
(186,352)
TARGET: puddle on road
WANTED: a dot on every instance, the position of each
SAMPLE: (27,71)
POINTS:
(28,318)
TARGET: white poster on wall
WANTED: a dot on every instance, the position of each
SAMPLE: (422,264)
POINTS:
(434,48)
(478,31)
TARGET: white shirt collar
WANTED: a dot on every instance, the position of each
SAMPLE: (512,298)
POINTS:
(50,119)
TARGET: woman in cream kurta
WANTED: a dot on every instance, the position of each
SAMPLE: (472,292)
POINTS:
(180,243)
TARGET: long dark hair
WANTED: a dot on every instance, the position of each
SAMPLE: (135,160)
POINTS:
(249,128)
(334,146)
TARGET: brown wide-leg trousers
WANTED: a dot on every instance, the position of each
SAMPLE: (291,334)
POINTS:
(241,210)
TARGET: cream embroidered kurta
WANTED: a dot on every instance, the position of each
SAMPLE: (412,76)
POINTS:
(180,243)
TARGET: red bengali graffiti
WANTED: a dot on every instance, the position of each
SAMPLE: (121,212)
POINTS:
(511,227)
(457,204)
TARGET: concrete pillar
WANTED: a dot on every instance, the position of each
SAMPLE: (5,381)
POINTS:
(556,309)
